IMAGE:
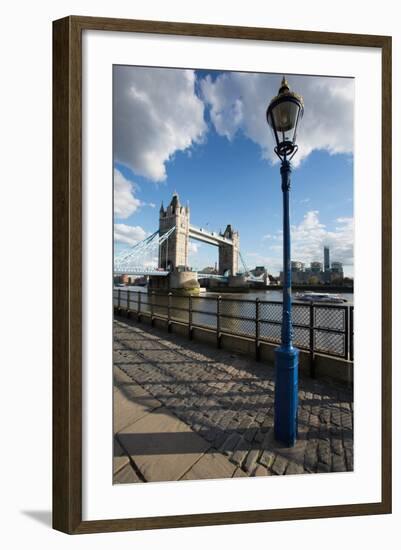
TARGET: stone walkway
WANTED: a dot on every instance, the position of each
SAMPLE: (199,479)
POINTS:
(184,410)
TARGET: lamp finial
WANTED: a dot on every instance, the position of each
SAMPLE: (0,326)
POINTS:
(284,86)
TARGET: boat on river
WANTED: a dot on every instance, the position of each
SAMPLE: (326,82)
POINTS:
(320,297)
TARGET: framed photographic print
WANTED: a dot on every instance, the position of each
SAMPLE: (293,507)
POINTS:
(222,281)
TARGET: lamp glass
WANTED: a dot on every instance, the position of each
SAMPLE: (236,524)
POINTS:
(285,115)
(283,118)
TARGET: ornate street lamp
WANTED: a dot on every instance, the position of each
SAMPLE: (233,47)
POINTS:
(283,115)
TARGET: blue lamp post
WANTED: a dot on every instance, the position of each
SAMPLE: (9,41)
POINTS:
(283,115)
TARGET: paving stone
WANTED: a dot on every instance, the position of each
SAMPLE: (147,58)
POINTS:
(261,471)
(315,409)
(162,447)
(120,458)
(245,422)
(303,415)
(323,468)
(279,465)
(211,466)
(324,454)
(219,440)
(268,440)
(267,423)
(226,420)
(217,416)
(346,420)
(324,416)
(126,475)
(349,460)
(250,461)
(324,433)
(238,456)
(209,434)
(294,468)
(311,459)
(314,421)
(338,464)
(250,434)
(130,403)
(231,443)
(295,453)
(239,473)
(336,418)
(348,441)
(267,458)
(337,445)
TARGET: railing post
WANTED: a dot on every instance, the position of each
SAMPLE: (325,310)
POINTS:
(118,300)
(346,333)
(218,335)
(257,328)
(138,309)
(351,333)
(151,308)
(312,369)
(128,303)
(169,312)
(190,317)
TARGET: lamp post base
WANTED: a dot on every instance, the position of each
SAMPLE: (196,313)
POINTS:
(286,395)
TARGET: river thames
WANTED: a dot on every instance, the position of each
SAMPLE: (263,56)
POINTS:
(268,295)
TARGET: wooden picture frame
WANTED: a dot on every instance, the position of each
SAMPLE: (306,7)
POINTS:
(67,273)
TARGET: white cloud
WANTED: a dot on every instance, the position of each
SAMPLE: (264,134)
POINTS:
(272,263)
(238,103)
(156,113)
(310,236)
(128,234)
(192,247)
(125,203)
(308,239)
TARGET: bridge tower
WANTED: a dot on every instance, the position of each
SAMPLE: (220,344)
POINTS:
(228,253)
(173,253)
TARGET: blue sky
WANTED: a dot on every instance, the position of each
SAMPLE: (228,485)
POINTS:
(203,134)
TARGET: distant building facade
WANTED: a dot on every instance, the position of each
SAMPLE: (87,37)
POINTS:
(316,267)
(127,280)
(259,270)
(326,254)
(337,270)
(209,270)
(317,272)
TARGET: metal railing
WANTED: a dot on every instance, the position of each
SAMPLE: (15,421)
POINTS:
(318,328)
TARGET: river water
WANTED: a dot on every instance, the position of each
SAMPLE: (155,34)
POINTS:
(268,295)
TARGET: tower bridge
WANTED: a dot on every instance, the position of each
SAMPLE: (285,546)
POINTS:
(163,256)
(173,252)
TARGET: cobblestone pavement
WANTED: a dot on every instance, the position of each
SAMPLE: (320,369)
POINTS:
(227,400)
